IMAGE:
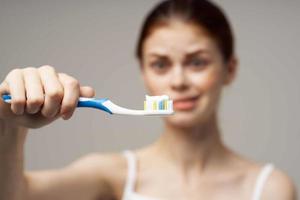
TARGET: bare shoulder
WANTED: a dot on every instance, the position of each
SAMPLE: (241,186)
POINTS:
(279,186)
(96,175)
(105,162)
(111,167)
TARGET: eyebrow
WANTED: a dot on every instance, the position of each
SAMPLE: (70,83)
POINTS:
(165,56)
(188,54)
(199,51)
(157,53)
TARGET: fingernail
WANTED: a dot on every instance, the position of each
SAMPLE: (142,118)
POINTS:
(66,116)
(18,111)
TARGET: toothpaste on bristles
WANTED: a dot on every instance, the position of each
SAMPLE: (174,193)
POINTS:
(158,103)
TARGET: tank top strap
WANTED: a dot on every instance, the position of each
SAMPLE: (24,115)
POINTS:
(131,171)
(261,180)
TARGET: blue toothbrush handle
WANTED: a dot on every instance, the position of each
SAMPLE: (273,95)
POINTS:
(93,103)
(82,102)
(6,98)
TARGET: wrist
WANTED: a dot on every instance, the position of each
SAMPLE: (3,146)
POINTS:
(12,137)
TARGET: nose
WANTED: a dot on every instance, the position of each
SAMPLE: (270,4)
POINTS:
(178,78)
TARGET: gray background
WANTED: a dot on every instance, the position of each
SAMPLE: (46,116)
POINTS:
(95,40)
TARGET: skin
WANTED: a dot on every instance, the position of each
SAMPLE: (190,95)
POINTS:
(200,167)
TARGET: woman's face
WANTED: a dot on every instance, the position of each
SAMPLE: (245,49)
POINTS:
(182,61)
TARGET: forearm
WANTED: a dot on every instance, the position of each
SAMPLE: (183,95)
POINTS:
(12,183)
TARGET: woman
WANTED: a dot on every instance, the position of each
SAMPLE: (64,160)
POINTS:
(185,51)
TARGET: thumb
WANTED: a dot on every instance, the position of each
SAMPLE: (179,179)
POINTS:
(87,91)
(5,108)
(4,89)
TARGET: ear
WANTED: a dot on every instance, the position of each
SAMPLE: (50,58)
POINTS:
(231,70)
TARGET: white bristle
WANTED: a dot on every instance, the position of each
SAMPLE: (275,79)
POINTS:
(152,103)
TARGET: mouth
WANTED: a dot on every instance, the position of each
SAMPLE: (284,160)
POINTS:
(185,104)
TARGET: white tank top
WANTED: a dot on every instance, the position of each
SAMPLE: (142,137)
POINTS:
(130,194)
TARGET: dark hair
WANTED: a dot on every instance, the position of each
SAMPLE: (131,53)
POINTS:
(200,12)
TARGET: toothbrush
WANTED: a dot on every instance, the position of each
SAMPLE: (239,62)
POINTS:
(153,105)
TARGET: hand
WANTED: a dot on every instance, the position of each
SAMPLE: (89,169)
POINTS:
(39,96)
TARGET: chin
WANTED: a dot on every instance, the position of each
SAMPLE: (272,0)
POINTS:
(184,119)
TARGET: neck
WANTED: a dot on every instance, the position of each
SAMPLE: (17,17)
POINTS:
(192,147)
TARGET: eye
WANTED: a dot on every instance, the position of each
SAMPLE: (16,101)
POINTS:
(159,65)
(197,62)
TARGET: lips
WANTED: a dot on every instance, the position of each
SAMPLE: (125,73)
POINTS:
(187,103)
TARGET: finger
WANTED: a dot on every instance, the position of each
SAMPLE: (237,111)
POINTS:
(17,91)
(71,95)
(53,91)
(34,90)
(87,91)
(5,107)
(4,88)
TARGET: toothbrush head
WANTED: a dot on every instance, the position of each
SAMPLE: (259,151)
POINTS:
(154,105)
(158,105)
